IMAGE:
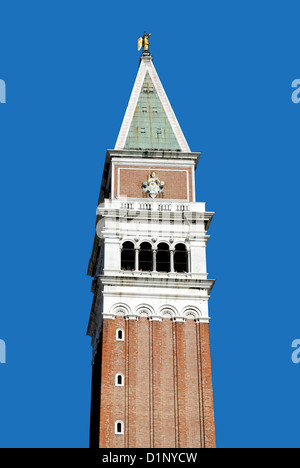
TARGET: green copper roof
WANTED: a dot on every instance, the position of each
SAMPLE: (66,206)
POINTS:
(150,127)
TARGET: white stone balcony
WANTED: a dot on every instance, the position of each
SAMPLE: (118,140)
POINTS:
(146,204)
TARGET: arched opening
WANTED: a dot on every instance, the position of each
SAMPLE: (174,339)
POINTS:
(119,380)
(146,257)
(128,256)
(163,258)
(120,334)
(119,427)
(181,259)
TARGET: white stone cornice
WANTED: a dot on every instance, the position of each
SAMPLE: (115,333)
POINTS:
(153,280)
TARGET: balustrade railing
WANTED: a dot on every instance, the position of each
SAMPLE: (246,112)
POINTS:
(153,205)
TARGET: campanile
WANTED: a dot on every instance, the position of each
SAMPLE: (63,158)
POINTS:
(149,323)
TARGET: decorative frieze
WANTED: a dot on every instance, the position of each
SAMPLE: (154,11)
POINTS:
(164,312)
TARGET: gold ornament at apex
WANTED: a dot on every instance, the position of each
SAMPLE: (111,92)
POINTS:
(144,42)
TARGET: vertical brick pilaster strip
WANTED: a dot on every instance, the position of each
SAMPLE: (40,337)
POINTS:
(168,438)
(200,389)
(181,384)
(127,383)
(176,420)
(208,406)
(157,377)
(132,380)
(142,402)
(106,398)
(192,384)
(151,383)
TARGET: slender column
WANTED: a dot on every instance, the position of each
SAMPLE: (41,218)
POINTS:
(189,261)
(154,259)
(172,251)
(136,259)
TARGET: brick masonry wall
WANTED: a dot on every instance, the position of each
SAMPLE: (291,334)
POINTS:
(167,400)
(178,182)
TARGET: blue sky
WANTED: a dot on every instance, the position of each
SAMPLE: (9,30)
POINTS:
(227,68)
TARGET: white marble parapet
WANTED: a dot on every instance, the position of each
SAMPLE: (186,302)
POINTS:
(142,204)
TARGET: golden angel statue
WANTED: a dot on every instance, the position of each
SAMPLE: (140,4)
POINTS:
(144,42)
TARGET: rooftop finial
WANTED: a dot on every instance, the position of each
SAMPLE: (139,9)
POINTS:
(144,42)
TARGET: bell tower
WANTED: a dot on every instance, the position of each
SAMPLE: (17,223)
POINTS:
(149,323)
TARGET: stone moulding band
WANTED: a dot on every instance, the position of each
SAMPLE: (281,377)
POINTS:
(164,312)
(158,319)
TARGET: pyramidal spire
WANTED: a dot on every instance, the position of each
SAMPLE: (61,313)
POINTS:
(149,122)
